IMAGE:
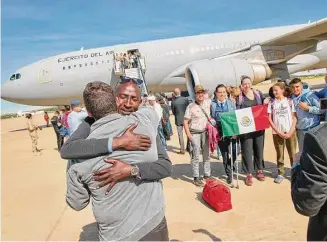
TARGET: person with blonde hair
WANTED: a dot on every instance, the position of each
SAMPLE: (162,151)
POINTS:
(252,144)
(282,118)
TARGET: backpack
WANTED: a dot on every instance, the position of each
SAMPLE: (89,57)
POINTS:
(217,195)
(305,97)
(241,99)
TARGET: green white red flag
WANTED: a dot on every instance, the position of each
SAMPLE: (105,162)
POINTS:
(246,120)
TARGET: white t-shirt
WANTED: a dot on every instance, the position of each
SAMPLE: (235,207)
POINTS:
(282,114)
(159,110)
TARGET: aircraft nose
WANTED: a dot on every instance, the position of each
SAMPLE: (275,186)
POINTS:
(8,91)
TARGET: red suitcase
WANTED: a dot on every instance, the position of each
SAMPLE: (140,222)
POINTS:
(217,195)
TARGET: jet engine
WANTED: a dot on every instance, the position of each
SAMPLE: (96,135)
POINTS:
(210,73)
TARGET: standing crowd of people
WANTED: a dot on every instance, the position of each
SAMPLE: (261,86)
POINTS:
(117,149)
(291,116)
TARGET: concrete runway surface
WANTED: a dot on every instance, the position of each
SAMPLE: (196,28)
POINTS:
(34,207)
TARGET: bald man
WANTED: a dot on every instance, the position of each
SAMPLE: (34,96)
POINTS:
(178,107)
(116,219)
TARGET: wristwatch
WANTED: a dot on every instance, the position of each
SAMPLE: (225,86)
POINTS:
(135,172)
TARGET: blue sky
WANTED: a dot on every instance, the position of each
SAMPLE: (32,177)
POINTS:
(32,30)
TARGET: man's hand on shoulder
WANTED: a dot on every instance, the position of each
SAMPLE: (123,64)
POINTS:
(131,141)
(111,175)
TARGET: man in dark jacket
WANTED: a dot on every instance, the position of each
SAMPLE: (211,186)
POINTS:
(178,107)
(309,183)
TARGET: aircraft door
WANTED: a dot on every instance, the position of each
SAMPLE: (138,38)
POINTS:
(44,74)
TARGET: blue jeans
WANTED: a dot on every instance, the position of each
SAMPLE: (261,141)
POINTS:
(162,136)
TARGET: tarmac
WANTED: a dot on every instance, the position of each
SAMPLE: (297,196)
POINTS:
(34,207)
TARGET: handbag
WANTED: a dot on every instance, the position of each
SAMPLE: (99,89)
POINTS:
(211,122)
(217,195)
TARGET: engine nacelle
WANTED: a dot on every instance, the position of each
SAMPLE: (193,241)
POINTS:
(210,73)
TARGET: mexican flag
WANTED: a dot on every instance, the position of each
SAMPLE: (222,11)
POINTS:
(245,120)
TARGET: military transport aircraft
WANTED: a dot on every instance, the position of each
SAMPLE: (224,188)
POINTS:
(181,62)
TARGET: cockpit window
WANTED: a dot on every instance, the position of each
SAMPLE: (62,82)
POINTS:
(17,76)
(12,78)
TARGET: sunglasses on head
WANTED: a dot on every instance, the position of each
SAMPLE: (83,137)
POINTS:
(124,79)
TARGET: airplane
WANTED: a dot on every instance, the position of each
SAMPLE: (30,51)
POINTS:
(183,62)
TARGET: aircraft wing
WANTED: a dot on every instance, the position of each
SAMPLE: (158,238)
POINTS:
(314,31)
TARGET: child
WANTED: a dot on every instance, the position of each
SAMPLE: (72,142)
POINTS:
(282,118)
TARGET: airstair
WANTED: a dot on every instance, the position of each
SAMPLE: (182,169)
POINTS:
(135,68)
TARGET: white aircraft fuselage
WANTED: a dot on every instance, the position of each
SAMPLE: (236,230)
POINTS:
(59,79)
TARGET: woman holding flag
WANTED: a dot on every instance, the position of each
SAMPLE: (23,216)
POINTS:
(219,105)
(252,143)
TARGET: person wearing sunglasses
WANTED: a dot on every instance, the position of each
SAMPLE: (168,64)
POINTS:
(128,100)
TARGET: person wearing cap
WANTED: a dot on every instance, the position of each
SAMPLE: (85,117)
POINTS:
(195,121)
(76,117)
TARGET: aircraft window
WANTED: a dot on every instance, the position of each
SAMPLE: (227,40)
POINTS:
(96,63)
(12,78)
(68,67)
(63,68)
(17,76)
(80,65)
(74,66)
(85,64)
(91,63)
(108,61)
(102,62)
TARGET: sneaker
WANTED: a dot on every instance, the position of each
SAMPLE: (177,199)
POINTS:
(197,182)
(260,176)
(248,180)
(279,179)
